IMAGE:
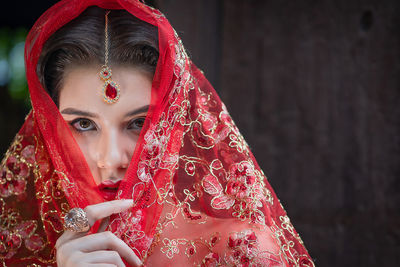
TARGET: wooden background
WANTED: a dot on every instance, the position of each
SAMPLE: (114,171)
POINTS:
(314,87)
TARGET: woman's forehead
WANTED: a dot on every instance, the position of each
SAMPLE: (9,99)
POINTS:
(82,89)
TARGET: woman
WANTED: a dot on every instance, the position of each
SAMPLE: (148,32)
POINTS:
(122,113)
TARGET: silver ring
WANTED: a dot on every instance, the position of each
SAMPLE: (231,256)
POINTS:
(76,220)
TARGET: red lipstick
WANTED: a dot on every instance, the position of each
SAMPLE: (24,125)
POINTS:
(108,189)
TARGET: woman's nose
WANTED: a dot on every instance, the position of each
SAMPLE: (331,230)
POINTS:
(111,151)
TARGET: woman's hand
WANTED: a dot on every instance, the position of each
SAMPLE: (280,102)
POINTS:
(100,249)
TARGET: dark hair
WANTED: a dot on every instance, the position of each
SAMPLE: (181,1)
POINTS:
(80,42)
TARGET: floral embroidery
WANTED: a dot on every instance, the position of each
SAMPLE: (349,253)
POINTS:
(24,168)
(211,260)
(245,192)
(190,249)
(15,168)
(171,246)
(244,251)
(14,232)
(238,142)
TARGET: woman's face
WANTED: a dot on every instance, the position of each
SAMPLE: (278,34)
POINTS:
(106,133)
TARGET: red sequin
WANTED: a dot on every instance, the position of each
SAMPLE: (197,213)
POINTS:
(111,91)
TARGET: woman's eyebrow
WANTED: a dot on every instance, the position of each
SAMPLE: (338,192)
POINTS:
(137,111)
(73,111)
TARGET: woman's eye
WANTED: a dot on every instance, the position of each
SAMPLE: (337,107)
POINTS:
(136,124)
(83,125)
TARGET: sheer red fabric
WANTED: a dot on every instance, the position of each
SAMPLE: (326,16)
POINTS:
(200,196)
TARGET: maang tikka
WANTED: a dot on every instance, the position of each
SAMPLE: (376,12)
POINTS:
(110,88)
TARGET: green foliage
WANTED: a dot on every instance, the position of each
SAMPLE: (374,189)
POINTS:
(12,67)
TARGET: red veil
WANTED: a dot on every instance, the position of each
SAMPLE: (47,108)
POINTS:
(200,196)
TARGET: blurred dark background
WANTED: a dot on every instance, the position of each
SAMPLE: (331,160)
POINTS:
(314,87)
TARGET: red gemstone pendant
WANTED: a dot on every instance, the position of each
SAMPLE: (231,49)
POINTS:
(110,91)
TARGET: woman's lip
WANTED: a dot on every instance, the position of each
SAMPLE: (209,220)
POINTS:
(108,189)
(109,185)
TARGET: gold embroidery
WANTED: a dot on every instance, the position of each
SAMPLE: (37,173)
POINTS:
(171,246)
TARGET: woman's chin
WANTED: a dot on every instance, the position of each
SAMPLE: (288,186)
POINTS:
(108,194)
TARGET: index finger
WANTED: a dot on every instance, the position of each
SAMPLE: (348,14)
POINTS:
(102,210)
